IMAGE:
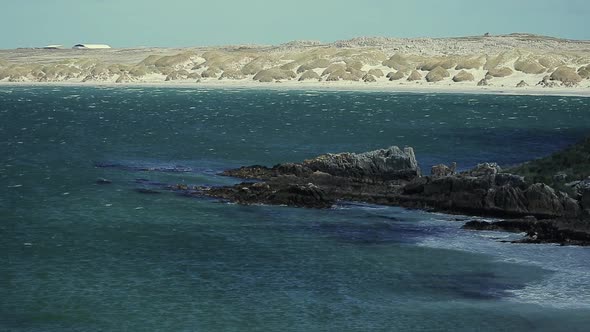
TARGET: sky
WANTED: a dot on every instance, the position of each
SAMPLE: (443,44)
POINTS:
(178,23)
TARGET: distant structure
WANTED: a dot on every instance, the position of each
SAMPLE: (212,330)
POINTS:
(53,47)
(90,46)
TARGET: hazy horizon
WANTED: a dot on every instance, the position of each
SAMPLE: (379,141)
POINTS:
(184,23)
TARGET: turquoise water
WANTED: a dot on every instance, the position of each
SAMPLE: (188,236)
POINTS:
(77,256)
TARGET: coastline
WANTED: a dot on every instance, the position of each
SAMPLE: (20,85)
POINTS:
(422,88)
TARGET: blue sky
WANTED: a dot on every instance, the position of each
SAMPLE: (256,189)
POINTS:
(126,23)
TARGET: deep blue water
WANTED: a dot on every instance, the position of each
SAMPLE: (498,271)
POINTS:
(77,256)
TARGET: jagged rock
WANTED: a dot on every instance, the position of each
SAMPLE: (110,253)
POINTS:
(542,198)
(386,164)
(485,169)
(298,195)
(309,75)
(522,84)
(443,170)
(583,191)
(391,176)
(560,177)
(566,75)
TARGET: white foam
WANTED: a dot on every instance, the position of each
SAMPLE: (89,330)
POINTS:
(568,286)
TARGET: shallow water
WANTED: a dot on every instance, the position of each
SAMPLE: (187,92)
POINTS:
(81,256)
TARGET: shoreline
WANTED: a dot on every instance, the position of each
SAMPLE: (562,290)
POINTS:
(328,86)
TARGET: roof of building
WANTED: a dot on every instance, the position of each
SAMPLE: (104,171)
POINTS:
(91,46)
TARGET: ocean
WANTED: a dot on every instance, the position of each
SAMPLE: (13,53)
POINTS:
(79,256)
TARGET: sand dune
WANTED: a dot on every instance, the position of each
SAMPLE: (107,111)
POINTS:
(501,61)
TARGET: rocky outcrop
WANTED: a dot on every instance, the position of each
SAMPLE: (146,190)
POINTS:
(375,166)
(564,231)
(392,177)
(380,165)
(485,190)
(298,195)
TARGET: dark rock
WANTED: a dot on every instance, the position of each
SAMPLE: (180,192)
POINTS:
(485,169)
(251,172)
(298,195)
(443,170)
(505,179)
(560,177)
(380,165)
(515,226)
(147,191)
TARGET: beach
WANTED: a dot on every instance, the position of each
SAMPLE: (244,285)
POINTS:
(515,64)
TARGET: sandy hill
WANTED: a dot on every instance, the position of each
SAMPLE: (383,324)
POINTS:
(515,60)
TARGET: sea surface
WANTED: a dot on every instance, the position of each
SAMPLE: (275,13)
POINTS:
(79,256)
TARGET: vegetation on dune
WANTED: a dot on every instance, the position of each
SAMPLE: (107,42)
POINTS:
(431,64)
(293,65)
(394,76)
(177,75)
(502,59)
(222,60)
(318,63)
(274,74)
(258,64)
(342,75)
(14,73)
(355,72)
(470,63)
(571,164)
(551,62)
(211,72)
(231,74)
(138,71)
(368,57)
(376,72)
(437,74)
(334,67)
(397,62)
(415,76)
(566,75)
(309,75)
(529,66)
(174,60)
(125,78)
(150,60)
(500,72)
(354,64)
(463,76)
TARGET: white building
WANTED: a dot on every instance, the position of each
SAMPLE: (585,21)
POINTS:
(90,46)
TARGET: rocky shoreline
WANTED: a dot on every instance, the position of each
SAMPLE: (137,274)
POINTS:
(392,177)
